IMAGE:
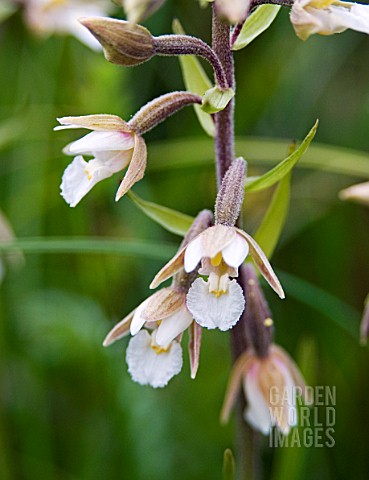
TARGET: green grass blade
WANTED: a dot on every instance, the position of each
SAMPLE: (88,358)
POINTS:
(132,248)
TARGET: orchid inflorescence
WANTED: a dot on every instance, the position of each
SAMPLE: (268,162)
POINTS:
(212,286)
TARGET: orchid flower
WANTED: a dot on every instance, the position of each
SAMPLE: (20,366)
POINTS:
(46,17)
(113,146)
(327,17)
(270,384)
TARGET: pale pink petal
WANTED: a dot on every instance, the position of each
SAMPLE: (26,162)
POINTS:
(119,331)
(100,122)
(209,311)
(172,326)
(194,347)
(136,169)
(193,254)
(257,411)
(148,367)
(235,253)
(98,141)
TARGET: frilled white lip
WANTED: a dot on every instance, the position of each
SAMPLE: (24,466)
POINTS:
(233,253)
(146,366)
(81,176)
(211,312)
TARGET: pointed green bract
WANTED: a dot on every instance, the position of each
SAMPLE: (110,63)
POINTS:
(256,23)
(196,81)
(171,220)
(228,465)
(276,174)
(270,229)
(216,99)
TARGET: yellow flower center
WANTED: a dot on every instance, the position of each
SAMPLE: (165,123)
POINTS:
(157,349)
(215,261)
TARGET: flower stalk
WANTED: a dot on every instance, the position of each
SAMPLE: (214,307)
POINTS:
(169,45)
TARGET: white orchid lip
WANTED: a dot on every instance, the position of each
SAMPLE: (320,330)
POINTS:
(149,364)
(215,311)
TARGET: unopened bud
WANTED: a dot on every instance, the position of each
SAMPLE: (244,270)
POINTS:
(231,193)
(124,43)
(139,10)
(257,317)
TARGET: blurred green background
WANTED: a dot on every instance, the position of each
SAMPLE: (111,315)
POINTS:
(68,409)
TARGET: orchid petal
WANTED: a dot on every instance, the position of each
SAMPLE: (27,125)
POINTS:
(172,326)
(119,331)
(193,254)
(148,367)
(138,319)
(94,122)
(77,181)
(136,169)
(100,142)
(235,253)
(257,412)
(209,311)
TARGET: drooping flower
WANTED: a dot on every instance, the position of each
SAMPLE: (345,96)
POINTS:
(46,17)
(113,146)
(218,302)
(327,17)
(154,354)
(270,385)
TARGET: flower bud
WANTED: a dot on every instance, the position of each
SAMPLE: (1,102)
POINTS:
(124,43)
(231,193)
(257,317)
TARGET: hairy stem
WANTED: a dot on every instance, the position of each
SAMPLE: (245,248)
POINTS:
(169,45)
(224,120)
(247,457)
(283,3)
